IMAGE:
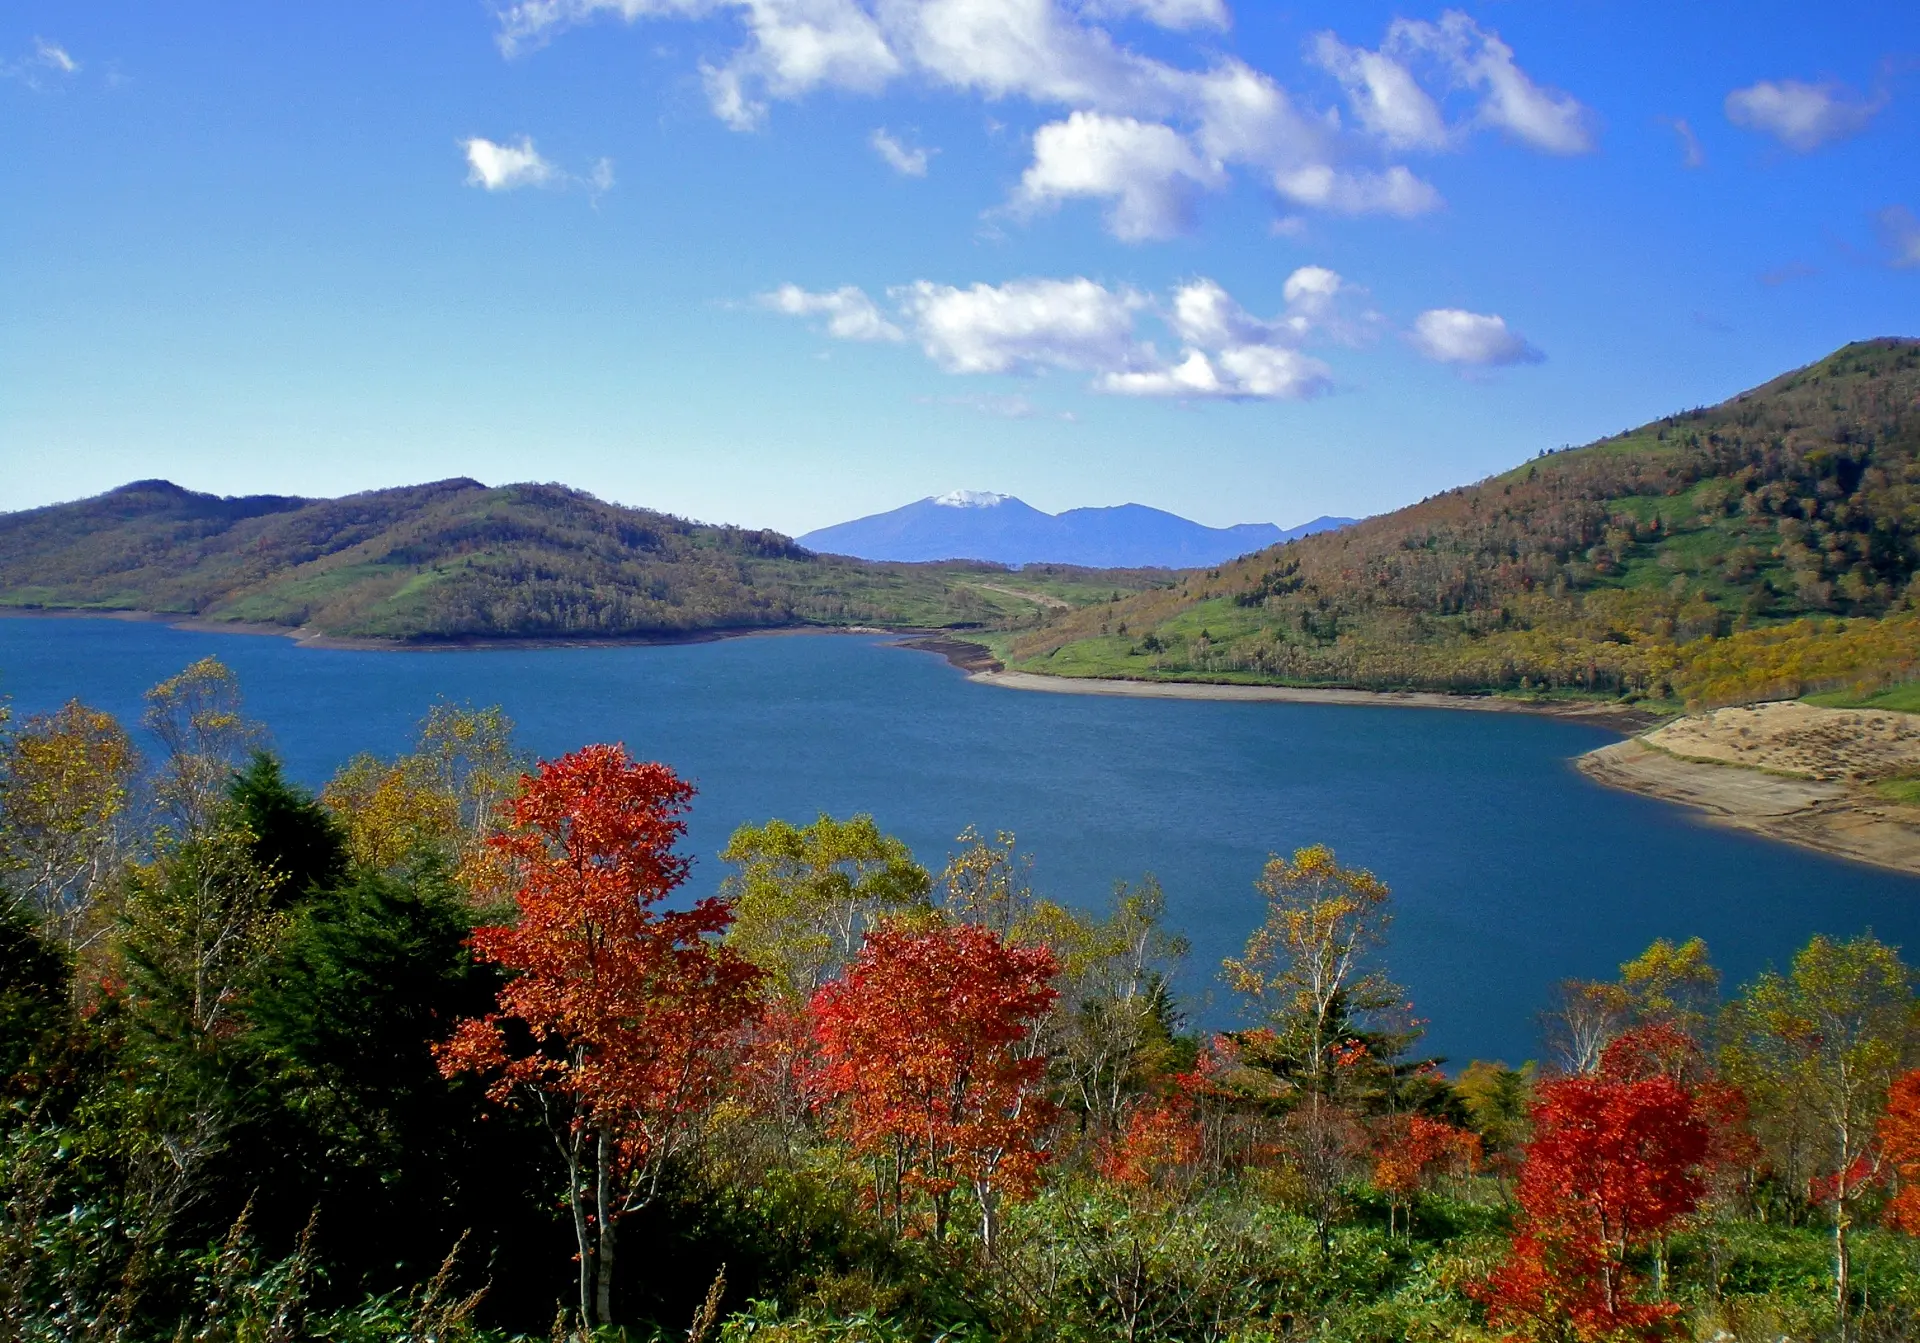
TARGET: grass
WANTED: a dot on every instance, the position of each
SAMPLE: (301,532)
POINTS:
(1904,791)
(1902,698)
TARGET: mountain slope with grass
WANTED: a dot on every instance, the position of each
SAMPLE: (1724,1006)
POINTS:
(1765,546)
(458,560)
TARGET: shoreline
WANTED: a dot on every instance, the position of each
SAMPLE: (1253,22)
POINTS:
(1617,717)
(974,659)
(1830,816)
(305,636)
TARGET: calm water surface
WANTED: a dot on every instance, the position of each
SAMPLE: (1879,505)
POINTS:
(1509,869)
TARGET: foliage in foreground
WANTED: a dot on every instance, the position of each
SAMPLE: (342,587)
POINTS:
(442,1055)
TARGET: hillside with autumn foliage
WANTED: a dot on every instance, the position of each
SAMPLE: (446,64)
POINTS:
(458,560)
(1765,546)
(448,1051)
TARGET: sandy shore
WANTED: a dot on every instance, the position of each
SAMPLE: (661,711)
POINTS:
(1608,715)
(1789,771)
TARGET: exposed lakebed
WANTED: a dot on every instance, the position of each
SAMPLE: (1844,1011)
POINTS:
(1510,870)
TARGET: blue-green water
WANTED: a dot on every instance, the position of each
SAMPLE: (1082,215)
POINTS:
(1509,869)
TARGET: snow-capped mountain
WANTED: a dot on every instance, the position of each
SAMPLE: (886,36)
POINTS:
(983,525)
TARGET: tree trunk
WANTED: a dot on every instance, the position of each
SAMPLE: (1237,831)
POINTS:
(989,1216)
(603,1200)
(1842,1263)
(583,1245)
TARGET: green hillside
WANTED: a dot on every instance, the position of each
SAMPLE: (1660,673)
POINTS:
(457,560)
(1762,546)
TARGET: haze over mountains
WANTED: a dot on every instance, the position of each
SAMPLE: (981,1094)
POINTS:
(982,525)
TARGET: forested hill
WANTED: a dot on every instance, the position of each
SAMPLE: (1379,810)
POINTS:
(456,559)
(1757,547)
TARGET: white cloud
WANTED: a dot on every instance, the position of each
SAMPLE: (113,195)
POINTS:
(850,314)
(1144,133)
(54,57)
(795,47)
(1691,153)
(1025,325)
(1147,170)
(49,64)
(1356,192)
(1900,231)
(904,160)
(1483,340)
(1802,116)
(1174,14)
(500,167)
(1383,94)
(1476,59)
(1081,326)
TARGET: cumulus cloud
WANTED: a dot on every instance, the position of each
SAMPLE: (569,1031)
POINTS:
(494,166)
(1476,60)
(1802,116)
(499,167)
(1474,339)
(1900,233)
(1025,325)
(1143,134)
(908,162)
(1356,192)
(1147,171)
(1078,325)
(850,314)
(1383,94)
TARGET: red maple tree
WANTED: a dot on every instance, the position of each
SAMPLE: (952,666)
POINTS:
(619,1017)
(1616,1159)
(1407,1149)
(1160,1145)
(1900,1149)
(930,1068)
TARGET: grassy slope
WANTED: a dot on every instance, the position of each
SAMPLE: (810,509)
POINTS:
(456,559)
(1607,568)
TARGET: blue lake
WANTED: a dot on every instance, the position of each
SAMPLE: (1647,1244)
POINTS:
(1510,871)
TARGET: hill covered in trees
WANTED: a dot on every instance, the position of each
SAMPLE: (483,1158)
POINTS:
(1766,545)
(457,560)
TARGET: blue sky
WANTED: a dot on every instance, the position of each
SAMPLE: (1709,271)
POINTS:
(784,262)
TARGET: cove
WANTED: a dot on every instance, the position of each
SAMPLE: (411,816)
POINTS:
(1509,869)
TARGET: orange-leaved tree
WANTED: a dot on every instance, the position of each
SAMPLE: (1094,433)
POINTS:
(1408,1149)
(620,1018)
(1900,1148)
(929,1063)
(1616,1159)
(1159,1148)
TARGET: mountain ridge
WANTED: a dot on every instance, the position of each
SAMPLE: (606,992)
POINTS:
(457,560)
(1000,528)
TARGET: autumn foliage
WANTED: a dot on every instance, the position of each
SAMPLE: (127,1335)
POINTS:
(928,1065)
(1410,1149)
(1900,1149)
(624,1011)
(1616,1160)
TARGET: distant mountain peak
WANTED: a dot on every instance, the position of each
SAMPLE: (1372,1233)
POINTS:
(971,499)
(985,525)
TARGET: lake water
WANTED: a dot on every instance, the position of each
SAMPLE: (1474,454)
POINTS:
(1509,869)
